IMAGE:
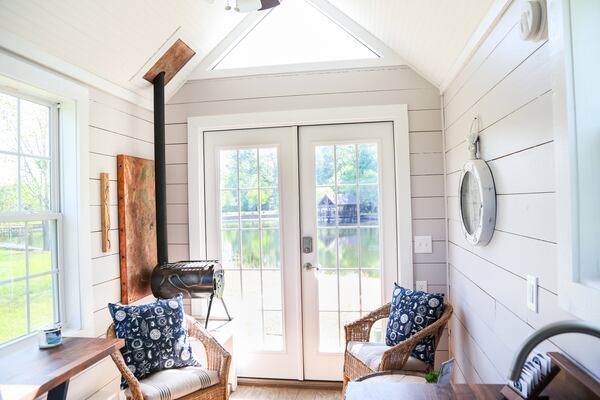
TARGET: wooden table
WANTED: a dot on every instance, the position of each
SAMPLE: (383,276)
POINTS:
(31,372)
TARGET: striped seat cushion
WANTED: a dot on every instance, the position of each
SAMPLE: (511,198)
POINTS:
(174,383)
(370,354)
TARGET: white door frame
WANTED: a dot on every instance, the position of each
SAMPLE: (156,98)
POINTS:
(396,113)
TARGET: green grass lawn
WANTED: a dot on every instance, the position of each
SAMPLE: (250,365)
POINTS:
(13,303)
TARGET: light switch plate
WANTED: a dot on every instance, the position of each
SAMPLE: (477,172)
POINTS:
(421,286)
(532,293)
(423,245)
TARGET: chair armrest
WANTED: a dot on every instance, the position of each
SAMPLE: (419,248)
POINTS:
(117,357)
(396,357)
(217,357)
(360,330)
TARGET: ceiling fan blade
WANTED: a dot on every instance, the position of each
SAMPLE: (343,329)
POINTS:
(266,4)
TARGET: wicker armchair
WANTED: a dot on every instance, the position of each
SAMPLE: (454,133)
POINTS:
(397,356)
(218,359)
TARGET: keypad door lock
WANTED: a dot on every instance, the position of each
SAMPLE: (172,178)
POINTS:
(307,245)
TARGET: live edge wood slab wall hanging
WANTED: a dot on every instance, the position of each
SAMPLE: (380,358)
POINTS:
(137,226)
(105,211)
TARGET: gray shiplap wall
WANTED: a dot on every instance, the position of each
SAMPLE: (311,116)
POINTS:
(394,85)
(507,82)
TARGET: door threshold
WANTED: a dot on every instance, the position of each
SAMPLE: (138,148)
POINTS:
(290,383)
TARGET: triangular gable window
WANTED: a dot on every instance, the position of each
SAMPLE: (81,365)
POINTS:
(295,33)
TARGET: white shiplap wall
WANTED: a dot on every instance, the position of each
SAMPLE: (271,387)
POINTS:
(115,127)
(507,82)
(323,89)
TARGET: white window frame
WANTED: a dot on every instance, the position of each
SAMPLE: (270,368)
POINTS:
(387,57)
(51,214)
(29,79)
(574,295)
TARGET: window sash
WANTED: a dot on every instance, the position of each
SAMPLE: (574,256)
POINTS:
(52,214)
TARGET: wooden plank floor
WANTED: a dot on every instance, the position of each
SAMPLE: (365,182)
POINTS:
(245,392)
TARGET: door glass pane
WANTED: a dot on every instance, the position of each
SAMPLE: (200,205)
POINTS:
(251,244)
(348,237)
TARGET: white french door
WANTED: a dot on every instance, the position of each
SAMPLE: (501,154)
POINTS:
(252,226)
(303,221)
(348,209)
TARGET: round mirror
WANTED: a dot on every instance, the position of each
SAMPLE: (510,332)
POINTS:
(470,202)
(477,201)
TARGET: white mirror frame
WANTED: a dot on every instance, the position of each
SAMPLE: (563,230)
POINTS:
(487,221)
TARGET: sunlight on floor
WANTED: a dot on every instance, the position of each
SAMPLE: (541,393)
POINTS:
(263,392)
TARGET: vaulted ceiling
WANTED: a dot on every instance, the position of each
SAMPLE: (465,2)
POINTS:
(428,34)
(115,39)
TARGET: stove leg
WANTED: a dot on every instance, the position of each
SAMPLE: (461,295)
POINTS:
(208,312)
(226,310)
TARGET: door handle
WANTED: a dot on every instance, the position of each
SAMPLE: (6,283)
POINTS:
(308,266)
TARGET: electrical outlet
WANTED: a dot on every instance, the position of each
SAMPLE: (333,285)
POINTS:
(421,286)
(423,245)
(532,293)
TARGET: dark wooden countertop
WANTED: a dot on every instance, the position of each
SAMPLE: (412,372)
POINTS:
(31,372)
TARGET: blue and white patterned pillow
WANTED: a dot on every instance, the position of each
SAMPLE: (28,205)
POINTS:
(155,334)
(410,312)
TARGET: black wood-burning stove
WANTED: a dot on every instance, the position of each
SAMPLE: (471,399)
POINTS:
(194,279)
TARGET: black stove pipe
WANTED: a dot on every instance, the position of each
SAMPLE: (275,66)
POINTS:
(160,175)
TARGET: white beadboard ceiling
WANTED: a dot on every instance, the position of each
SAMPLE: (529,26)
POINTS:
(428,34)
(115,39)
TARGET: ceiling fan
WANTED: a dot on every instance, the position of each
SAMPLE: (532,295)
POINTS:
(248,5)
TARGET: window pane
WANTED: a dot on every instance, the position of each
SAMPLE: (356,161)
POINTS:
(289,41)
(42,235)
(348,248)
(349,291)
(328,293)
(12,251)
(229,209)
(326,206)
(251,248)
(9,200)
(347,205)
(8,123)
(369,248)
(35,184)
(371,289)
(249,208)
(41,302)
(367,163)
(369,205)
(230,248)
(270,248)
(13,312)
(268,167)
(269,207)
(228,168)
(34,128)
(252,292)
(324,165)
(248,169)
(345,163)
(326,248)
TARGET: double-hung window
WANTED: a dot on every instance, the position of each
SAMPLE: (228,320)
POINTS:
(30,217)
